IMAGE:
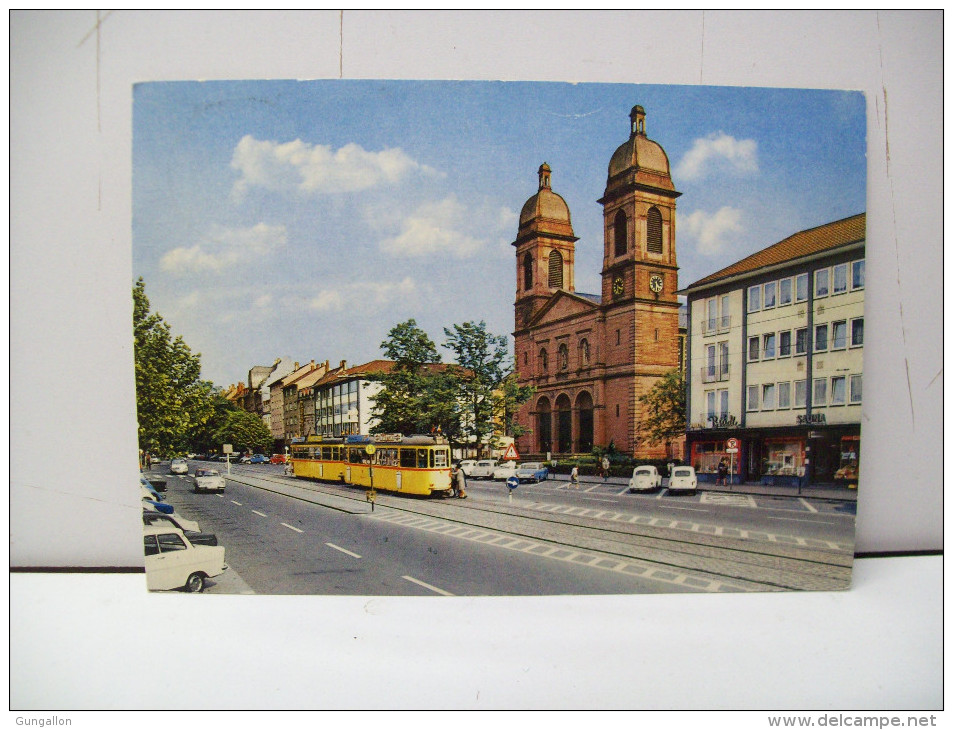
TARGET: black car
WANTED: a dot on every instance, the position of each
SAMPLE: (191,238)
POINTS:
(196,538)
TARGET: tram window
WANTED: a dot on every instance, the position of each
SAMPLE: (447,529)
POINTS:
(440,458)
(421,458)
(354,456)
(407,457)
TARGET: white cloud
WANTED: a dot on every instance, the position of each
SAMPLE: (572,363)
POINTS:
(718,153)
(225,247)
(375,293)
(439,228)
(712,231)
(311,168)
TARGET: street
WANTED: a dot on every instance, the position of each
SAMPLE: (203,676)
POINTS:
(284,535)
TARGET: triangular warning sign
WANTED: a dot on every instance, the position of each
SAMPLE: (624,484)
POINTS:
(510,453)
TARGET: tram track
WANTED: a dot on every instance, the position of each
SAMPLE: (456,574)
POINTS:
(754,565)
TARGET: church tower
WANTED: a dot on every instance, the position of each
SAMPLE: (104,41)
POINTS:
(545,250)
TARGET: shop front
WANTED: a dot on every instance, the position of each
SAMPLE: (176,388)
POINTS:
(706,456)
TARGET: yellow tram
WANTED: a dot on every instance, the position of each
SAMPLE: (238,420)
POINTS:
(390,462)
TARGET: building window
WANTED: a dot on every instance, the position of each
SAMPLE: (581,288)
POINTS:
(784,292)
(767,397)
(857,332)
(800,393)
(856,388)
(616,410)
(711,325)
(584,353)
(820,337)
(822,282)
(555,270)
(528,271)
(723,402)
(752,398)
(857,274)
(770,294)
(840,278)
(654,231)
(820,392)
(618,337)
(784,344)
(800,288)
(769,340)
(710,403)
(753,345)
(543,361)
(754,298)
(800,341)
(723,359)
(838,390)
(621,233)
(563,357)
(525,358)
(784,395)
(839,335)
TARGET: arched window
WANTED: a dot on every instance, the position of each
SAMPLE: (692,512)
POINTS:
(528,271)
(654,231)
(621,227)
(564,356)
(555,270)
(543,361)
(584,353)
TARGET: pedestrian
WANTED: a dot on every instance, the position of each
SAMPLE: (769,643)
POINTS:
(574,476)
(148,461)
(460,481)
(605,468)
(722,473)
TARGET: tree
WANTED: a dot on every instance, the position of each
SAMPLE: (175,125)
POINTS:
(172,401)
(664,409)
(205,438)
(245,431)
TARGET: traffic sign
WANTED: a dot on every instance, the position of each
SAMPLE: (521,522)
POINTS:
(731,451)
(510,453)
(732,443)
(512,483)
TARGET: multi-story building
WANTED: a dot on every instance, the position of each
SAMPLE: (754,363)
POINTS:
(344,398)
(256,376)
(306,376)
(591,357)
(776,360)
(277,410)
(304,418)
(282,367)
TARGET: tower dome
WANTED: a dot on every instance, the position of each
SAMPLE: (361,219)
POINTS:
(546,211)
(639,160)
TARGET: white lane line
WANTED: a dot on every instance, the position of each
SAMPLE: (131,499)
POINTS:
(222,496)
(810,507)
(593,488)
(596,499)
(234,502)
(259,513)
(426,585)
(693,509)
(624,491)
(291,527)
(346,552)
(662,491)
(794,519)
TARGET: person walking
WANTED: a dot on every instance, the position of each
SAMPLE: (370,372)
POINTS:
(722,473)
(574,477)
(605,468)
(460,482)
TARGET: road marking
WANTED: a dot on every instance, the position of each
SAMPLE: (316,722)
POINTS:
(222,496)
(596,499)
(259,513)
(346,552)
(662,492)
(795,519)
(593,488)
(291,527)
(234,502)
(619,494)
(426,585)
(810,507)
(734,500)
(693,509)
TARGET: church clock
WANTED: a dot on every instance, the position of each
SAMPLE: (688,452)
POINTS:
(656,284)
(618,286)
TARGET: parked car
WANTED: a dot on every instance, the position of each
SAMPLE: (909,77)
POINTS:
(178,466)
(153,506)
(190,528)
(467,466)
(172,561)
(279,459)
(149,490)
(532,471)
(156,484)
(683,479)
(644,479)
(504,471)
(258,459)
(483,469)
(209,480)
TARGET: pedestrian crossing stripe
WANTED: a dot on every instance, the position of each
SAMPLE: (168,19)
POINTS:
(628,566)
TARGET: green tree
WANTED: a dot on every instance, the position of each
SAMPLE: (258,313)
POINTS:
(245,432)
(205,437)
(172,401)
(664,409)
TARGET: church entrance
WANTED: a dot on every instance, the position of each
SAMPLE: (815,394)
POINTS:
(544,422)
(564,424)
(584,409)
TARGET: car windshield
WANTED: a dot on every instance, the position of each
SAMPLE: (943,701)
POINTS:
(645,472)
(206,473)
(682,473)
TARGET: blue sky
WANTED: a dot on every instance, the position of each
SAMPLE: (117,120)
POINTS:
(305,219)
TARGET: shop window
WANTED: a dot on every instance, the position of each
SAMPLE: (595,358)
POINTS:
(784,395)
(754,344)
(857,274)
(769,344)
(754,298)
(822,283)
(767,397)
(753,402)
(820,337)
(839,335)
(800,288)
(800,393)
(784,292)
(784,458)
(856,388)
(820,392)
(784,344)
(857,332)
(840,279)
(838,390)
(770,294)
(800,341)
(653,225)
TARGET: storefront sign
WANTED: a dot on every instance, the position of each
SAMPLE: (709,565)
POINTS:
(725,420)
(813,418)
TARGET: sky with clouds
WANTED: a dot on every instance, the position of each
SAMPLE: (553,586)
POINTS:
(305,219)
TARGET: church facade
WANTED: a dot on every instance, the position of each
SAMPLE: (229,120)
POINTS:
(592,356)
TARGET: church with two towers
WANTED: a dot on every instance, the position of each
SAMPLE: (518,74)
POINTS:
(592,356)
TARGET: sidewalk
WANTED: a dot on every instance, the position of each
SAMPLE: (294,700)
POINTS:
(820,491)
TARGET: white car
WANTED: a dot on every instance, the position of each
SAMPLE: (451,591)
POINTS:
(504,471)
(483,469)
(178,466)
(209,480)
(466,465)
(174,562)
(683,479)
(644,479)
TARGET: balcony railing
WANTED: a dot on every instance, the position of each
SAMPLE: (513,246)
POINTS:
(715,373)
(716,325)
